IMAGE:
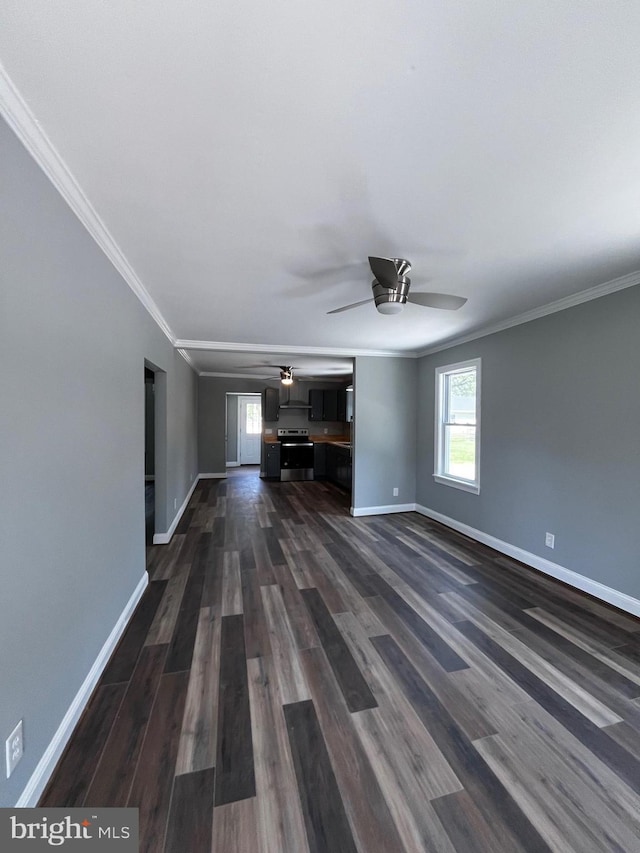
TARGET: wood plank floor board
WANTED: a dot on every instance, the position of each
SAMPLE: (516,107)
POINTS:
(465,824)
(231,584)
(190,819)
(325,818)
(290,678)
(609,656)
(369,815)
(124,658)
(352,600)
(433,642)
(302,626)
(395,722)
(279,811)
(500,709)
(114,773)
(540,668)
(354,687)
(235,778)
(198,738)
(493,799)
(595,738)
(164,622)
(564,764)
(153,781)
(74,771)
(235,828)
(468,714)
(255,633)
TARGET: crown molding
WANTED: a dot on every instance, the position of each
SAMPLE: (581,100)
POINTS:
(28,130)
(591,293)
(231,346)
(216,375)
(189,360)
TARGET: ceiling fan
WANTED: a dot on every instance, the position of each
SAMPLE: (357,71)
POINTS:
(391,290)
(286,372)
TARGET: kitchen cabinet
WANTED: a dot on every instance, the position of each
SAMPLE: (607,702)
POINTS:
(272,459)
(328,404)
(270,404)
(339,465)
(319,460)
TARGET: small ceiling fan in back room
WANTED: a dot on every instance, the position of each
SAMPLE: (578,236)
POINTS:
(391,287)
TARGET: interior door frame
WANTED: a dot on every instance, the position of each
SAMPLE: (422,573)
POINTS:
(239,399)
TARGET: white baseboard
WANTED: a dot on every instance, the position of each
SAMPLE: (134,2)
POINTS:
(595,588)
(45,767)
(212,476)
(165,538)
(381,510)
(233,464)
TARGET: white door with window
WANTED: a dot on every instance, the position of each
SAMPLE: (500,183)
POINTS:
(249,429)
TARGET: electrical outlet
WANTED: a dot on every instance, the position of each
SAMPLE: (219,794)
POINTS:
(395,492)
(550,540)
(268,431)
(14,748)
(326,430)
(175,503)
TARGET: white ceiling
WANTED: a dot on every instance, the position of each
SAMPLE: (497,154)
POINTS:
(246,158)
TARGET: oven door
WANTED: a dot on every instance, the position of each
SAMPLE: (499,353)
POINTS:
(296,460)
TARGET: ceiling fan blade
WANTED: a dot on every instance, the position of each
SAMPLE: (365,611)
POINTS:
(437,300)
(349,307)
(385,272)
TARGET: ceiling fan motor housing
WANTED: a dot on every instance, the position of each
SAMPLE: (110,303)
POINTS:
(391,301)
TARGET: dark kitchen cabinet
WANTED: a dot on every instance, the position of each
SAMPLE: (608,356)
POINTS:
(270,404)
(339,466)
(328,404)
(319,460)
(316,401)
(272,459)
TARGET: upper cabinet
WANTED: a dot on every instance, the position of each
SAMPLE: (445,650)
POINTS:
(270,404)
(328,404)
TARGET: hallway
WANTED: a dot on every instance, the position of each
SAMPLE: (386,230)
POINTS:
(295,679)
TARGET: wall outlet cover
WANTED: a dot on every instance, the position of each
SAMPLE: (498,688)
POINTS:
(14,749)
(550,540)
(395,492)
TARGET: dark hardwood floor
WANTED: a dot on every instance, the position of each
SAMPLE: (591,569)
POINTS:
(299,681)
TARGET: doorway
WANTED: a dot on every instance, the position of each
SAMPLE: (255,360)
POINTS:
(249,428)
(149,456)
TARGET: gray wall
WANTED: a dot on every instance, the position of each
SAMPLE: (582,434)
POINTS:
(384,431)
(559,444)
(73,340)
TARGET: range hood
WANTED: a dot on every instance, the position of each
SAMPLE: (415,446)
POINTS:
(293,404)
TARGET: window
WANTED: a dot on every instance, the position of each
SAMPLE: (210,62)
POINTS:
(253,424)
(457,434)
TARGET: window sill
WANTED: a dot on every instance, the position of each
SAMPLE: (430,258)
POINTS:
(464,485)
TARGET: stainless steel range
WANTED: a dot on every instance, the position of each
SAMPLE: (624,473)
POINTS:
(296,454)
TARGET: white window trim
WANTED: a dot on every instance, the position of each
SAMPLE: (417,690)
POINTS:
(447,480)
